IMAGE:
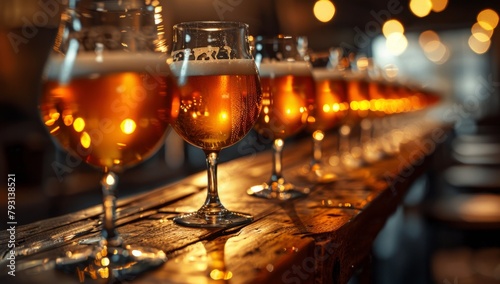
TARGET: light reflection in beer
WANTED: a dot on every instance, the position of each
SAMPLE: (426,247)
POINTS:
(336,107)
(54,130)
(61,91)
(379,105)
(105,261)
(85,140)
(129,82)
(79,124)
(68,119)
(326,108)
(294,107)
(128,126)
(217,274)
(354,105)
(364,105)
(223,116)
(52,117)
(50,122)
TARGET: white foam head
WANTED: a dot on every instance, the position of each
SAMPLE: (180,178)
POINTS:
(187,68)
(326,74)
(63,68)
(214,67)
(284,68)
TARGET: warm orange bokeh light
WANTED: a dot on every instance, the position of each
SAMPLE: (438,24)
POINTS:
(488,19)
(128,126)
(396,43)
(392,26)
(324,10)
(481,33)
(420,8)
(477,46)
(439,5)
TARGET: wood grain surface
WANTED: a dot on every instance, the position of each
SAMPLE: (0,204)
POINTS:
(323,238)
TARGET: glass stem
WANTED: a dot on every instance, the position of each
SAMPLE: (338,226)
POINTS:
(344,146)
(318,137)
(212,206)
(108,182)
(277,160)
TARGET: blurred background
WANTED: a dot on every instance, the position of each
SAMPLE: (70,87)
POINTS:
(447,230)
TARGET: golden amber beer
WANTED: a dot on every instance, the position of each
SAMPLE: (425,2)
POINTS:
(358,96)
(108,117)
(219,102)
(330,101)
(287,89)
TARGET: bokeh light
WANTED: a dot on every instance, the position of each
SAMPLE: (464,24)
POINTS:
(439,5)
(477,46)
(434,49)
(392,26)
(488,19)
(480,33)
(396,43)
(427,37)
(420,8)
(324,10)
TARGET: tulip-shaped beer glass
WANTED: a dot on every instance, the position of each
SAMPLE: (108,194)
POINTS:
(108,97)
(220,102)
(287,86)
(326,111)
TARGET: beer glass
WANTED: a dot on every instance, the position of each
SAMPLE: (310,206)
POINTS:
(287,85)
(326,111)
(220,101)
(108,96)
(354,128)
(371,124)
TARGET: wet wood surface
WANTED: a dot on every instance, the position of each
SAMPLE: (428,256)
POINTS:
(323,238)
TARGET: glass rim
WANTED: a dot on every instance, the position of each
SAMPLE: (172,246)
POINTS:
(210,26)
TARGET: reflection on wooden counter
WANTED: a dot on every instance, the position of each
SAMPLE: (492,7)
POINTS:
(322,238)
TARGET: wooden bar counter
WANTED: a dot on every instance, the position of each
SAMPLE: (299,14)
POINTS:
(323,238)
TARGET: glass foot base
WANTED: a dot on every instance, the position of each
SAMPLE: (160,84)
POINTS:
(278,191)
(112,263)
(225,220)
